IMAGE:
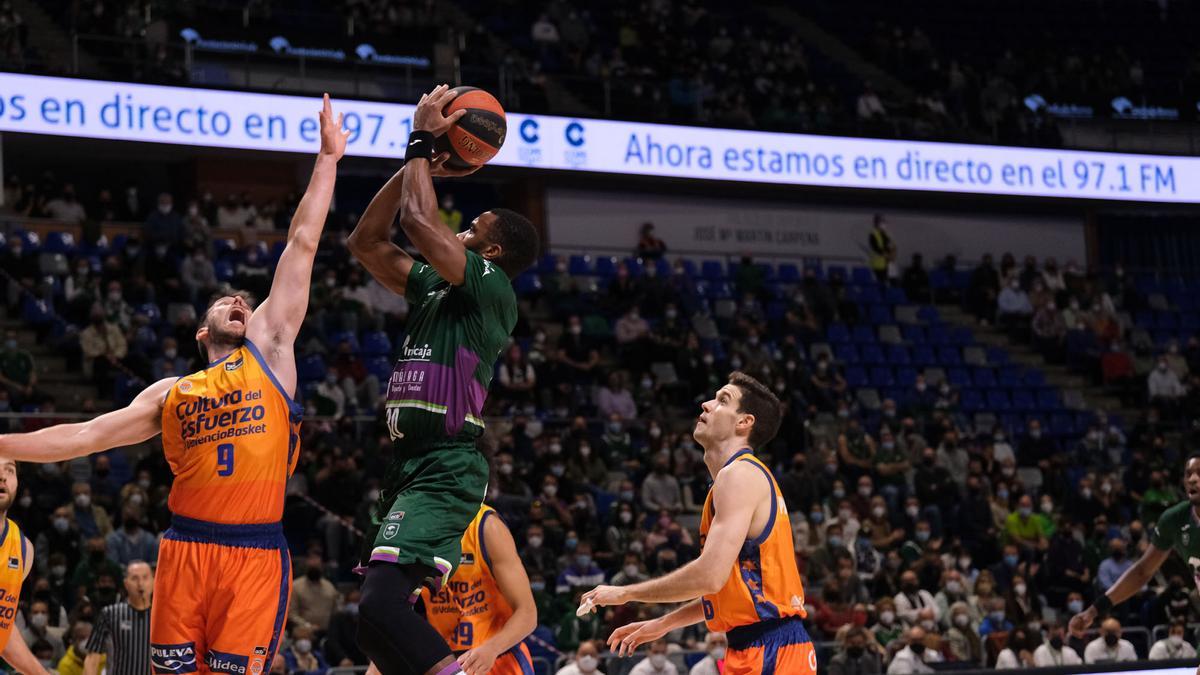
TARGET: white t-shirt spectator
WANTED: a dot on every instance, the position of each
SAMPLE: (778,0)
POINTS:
(905,662)
(1098,652)
(544,31)
(869,106)
(646,667)
(1046,656)
(1165,649)
(909,606)
(70,211)
(1164,383)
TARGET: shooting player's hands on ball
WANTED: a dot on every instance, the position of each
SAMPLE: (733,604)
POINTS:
(625,640)
(429,117)
(438,168)
(478,661)
(1082,621)
(333,136)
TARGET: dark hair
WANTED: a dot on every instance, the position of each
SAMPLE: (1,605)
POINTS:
(758,400)
(518,240)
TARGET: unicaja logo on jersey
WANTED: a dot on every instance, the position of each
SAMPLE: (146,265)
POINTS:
(173,659)
(422,353)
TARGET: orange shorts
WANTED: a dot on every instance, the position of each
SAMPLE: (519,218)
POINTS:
(779,647)
(515,661)
(220,598)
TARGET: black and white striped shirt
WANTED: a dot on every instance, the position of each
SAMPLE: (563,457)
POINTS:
(124,634)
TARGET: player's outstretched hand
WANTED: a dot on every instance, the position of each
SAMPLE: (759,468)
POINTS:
(626,639)
(429,117)
(438,168)
(603,596)
(333,136)
(478,661)
(1082,621)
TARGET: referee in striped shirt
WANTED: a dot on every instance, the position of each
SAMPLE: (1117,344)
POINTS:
(123,629)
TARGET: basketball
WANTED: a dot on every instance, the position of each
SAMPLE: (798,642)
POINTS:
(478,135)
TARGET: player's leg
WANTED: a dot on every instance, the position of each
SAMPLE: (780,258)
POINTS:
(248,613)
(418,543)
(177,621)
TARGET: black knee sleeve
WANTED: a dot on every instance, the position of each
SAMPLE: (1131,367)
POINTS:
(390,631)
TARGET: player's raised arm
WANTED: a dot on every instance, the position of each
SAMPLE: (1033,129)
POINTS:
(734,513)
(278,319)
(513,582)
(139,421)
(418,201)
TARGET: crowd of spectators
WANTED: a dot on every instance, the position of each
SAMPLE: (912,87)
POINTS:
(921,535)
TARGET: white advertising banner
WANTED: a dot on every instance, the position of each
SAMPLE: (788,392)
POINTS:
(272,122)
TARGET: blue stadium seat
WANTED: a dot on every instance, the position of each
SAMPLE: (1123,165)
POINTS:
(1047,399)
(923,356)
(310,368)
(905,377)
(958,377)
(336,339)
(1023,401)
(663,267)
(895,296)
(864,334)
(1034,378)
(866,295)
(961,336)
(635,267)
(1062,425)
(837,332)
(928,314)
(836,272)
(528,283)
(846,353)
(998,401)
(712,270)
(881,376)
(898,355)
(151,311)
(789,273)
(580,266)
(223,248)
(971,401)
(913,334)
(949,356)
(1009,377)
(547,264)
(689,268)
(817,270)
(862,276)
(59,242)
(997,356)
(856,377)
(224,270)
(606,267)
(939,334)
(380,367)
(984,378)
(376,343)
(880,314)
(871,354)
(939,279)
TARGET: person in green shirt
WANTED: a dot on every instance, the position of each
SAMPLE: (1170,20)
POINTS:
(1177,529)
(462,312)
(1022,529)
(17,373)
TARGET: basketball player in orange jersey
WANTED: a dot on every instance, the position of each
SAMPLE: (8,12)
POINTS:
(230,434)
(745,582)
(16,559)
(486,609)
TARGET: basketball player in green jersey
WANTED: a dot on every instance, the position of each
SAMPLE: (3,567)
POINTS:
(1177,529)
(462,312)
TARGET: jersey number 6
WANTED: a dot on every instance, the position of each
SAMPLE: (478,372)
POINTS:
(225,459)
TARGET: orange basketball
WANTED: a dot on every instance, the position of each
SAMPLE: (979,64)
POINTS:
(478,135)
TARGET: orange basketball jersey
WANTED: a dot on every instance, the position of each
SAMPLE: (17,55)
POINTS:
(764,583)
(12,575)
(231,436)
(470,608)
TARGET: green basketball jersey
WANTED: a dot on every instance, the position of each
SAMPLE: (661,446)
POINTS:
(1178,529)
(455,335)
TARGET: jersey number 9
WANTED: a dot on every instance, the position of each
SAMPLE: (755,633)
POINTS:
(225,459)
(464,634)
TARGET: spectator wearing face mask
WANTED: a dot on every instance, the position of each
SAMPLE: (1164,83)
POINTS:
(632,571)
(1110,647)
(1055,652)
(92,520)
(586,662)
(1023,529)
(915,656)
(301,656)
(656,662)
(1018,653)
(37,627)
(132,541)
(62,537)
(536,556)
(912,599)
(660,490)
(953,591)
(887,629)
(961,637)
(715,646)
(1114,565)
(1174,646)
(314,597)
(996,620)
(852,657)
(581,571)
(72,662)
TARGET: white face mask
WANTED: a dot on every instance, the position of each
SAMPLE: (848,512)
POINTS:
(658,661)
(587,663)
(304,646)
(1175,640)
(887,617)
(718,653)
